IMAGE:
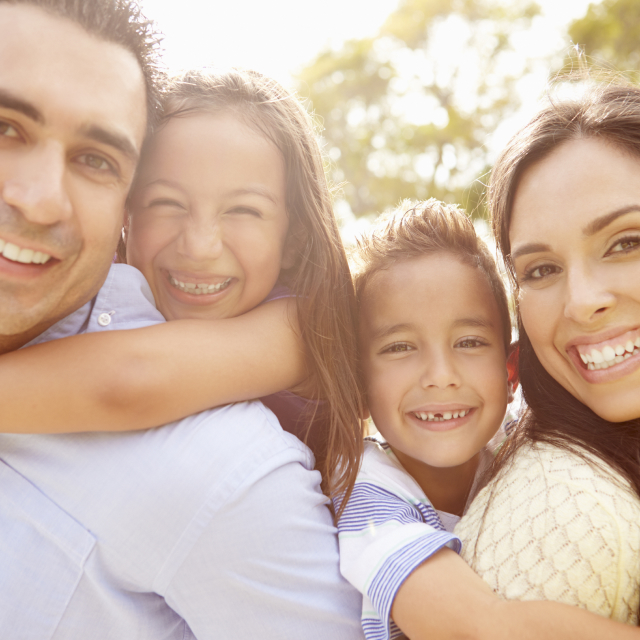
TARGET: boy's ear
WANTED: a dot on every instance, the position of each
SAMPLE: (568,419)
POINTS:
(513,379)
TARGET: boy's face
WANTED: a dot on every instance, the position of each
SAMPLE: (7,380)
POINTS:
(432,348)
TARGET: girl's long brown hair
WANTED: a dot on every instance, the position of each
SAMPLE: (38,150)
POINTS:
(319,278)
(608,112)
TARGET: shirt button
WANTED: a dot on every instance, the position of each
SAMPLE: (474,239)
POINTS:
(104,319)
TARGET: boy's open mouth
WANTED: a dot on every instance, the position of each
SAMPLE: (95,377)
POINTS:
(427,416)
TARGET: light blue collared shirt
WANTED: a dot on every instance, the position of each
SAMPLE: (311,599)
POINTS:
(210,527)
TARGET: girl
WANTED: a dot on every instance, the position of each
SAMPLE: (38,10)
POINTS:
(566,212)
(229,220)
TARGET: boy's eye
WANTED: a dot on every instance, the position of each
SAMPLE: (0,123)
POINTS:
(471,343)
(397,347)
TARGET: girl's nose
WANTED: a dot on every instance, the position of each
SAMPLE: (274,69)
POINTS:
(440,371)
(202,239)
(36,185)
(588,297)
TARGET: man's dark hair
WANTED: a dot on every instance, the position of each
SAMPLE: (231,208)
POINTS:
(120,22)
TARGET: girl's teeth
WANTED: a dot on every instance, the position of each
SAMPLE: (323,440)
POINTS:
(441,417)
(200,288)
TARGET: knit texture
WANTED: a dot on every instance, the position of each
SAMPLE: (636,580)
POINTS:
(552,526)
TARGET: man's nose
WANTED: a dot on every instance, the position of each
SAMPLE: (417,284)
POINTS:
(35,185)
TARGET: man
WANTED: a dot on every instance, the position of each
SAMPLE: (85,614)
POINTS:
(213,527)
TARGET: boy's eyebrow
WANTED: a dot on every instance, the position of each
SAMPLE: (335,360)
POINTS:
(387,330)
(475,321)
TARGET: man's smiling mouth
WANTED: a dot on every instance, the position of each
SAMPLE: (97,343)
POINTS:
(23,255)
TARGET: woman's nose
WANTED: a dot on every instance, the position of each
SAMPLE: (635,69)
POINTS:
(35,185)
(588,296)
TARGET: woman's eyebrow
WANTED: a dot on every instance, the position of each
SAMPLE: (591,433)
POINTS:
(603,221)
(532,247)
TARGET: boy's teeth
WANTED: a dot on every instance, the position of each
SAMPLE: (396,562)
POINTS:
(200,288)
(26,256)
(609,355)
(441,417)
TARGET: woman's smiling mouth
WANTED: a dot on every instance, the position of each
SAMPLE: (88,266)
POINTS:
(200,288)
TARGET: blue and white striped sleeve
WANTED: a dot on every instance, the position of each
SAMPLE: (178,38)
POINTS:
(384,535)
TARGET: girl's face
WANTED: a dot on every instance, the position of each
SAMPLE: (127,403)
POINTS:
(208,222)
(575,245)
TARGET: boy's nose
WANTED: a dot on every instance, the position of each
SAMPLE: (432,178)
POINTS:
(36,185)
(439,371)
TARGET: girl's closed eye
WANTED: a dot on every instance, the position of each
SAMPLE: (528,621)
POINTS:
(165,202)
(245,210)
(624,245)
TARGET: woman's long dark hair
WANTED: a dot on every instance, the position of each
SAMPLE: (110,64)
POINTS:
(611,113)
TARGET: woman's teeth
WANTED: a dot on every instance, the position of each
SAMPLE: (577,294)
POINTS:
(440,417)
(26,256)
(609,355)
(200,288)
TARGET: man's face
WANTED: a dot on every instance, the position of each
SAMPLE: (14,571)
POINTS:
(72,119)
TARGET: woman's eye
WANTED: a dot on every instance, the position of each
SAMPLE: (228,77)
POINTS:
(98,163)
(8,130)
(625,244)
(538,273)
(397,347)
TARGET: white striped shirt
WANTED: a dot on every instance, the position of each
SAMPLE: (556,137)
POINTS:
(387,530)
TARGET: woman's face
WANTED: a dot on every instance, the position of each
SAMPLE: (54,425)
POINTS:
(208,218)
(575,245)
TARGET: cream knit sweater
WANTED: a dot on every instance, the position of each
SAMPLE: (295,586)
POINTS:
(553,527)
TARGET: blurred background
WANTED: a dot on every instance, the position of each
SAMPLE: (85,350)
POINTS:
(413,98)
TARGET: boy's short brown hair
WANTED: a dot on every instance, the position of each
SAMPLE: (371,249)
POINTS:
(417,229)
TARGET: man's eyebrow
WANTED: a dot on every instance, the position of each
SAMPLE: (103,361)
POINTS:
(603,221)
(525,249)
(9,101)
(475,321)
(112,139)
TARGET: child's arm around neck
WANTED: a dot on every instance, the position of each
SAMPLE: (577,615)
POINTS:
(142,378)
(445,599)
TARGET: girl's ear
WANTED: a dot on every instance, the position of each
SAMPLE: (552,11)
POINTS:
(512,369)
(293,244)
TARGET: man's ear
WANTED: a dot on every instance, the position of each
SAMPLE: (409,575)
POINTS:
(513,379)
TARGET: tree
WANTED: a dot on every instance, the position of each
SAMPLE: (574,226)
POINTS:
(610,32)
(407,113)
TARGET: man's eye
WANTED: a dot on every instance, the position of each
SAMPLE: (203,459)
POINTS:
(8,130)
(95,162)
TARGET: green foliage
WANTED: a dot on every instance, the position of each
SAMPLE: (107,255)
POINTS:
(610,33)
(406,114)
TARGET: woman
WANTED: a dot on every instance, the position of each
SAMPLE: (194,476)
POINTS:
(560,518)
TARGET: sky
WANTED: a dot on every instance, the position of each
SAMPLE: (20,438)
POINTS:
(278,37)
